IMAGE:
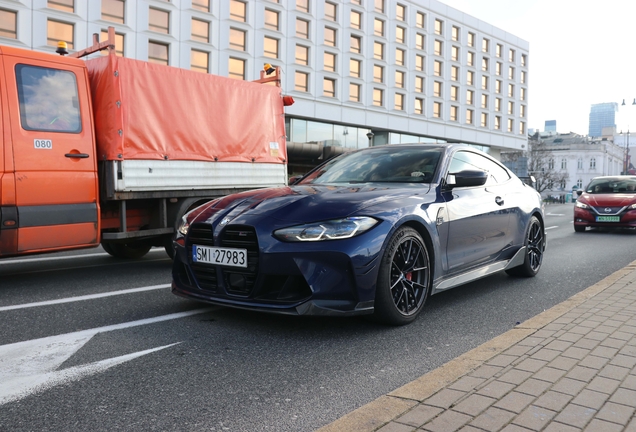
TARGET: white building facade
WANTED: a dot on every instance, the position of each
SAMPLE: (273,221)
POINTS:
(402,70)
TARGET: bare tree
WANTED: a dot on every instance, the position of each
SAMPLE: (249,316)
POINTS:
(540,164)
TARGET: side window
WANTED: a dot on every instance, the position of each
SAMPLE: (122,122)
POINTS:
(464,160)
(48,99)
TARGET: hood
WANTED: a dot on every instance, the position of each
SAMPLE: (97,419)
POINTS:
(305,203)
(609,200)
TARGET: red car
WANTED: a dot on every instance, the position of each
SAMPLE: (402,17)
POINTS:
(607,202)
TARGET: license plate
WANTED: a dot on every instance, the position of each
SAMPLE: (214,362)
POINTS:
(608,218)
(222,256)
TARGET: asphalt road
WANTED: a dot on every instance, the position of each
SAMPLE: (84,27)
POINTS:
(88,342)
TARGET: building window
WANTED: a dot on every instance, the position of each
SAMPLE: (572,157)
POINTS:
(202,5)
(64,5)
(378,74)
(485,45)
(592,163)
(470,58)
(159,21)
(484,120)
(379,6)
(302,28)
(498,67)
(378,50)
(511,90)
(438,67)
(523,77)
(498,104)
(119,43)
(522,94)
(8,24)
(400,12)
(354,92)
(399,102)
(302,5)
(522,131)
(551,164)
(330,11)
(471,39)
(498,50)
(522,111)
(302,55)
(511,108)
(470,78)
(356,43)
(270,47)
(356,20)
(484,64)
(420,19)
(237,39)
(238,10)
(330,62)
(455,53)
(419,84)
(236,68)
(511,73)
(354,68)
(419,63)
(454,73)
(564,164)
(498,86)
(199,61)
(454,113)
(438,47)
(301,82)
(470,97)
(469,116)
(579,184)
(158,53)
(58,31)
(523,60)
(437,109)
(455,34)
(378,97)
(400,34)
(511,125)
(330,36)
(484,101)
(113,10)
(399,79)
(399,56)
(511,56)
(271,20)
(200,30)
(439,27)
(329,87)
(419,41)
(498,122)
(437,89)
(419,106)
(579,163)
(454,93)
(484,82)
(378,27)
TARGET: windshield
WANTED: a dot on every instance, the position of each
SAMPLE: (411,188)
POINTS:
(394,165)
(612,185)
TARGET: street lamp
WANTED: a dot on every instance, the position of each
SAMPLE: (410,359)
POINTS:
(370,136)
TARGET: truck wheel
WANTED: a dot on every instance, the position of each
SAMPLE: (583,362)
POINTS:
(126,250)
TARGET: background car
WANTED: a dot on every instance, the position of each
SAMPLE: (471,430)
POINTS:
(608,201)
(375,231)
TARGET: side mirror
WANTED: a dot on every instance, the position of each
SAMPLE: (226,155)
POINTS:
(466,178)
(579,192)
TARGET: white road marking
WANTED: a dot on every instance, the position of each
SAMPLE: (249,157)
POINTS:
(555,214)
(30,367)
(66,257)
(552,227)
(82,298)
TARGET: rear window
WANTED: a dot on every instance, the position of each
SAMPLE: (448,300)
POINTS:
(48,99)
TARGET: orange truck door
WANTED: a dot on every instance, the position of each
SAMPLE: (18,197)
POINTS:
(54,153)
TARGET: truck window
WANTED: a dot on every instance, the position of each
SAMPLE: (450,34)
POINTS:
(48,99)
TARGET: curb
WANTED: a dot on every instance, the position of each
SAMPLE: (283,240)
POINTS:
(375,414)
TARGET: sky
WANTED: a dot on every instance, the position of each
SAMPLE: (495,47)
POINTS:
(582,52)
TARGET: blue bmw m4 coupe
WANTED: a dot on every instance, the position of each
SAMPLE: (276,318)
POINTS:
(374,231)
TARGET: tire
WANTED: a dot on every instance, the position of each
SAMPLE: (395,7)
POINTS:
(578,228)
(126,250)
(404,279)
(535,244)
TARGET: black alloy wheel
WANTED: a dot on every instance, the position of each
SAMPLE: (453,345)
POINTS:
(535,246)
(404,278)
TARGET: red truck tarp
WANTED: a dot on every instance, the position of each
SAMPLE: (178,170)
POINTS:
(150,111)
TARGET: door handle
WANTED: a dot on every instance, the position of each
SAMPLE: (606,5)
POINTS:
(76,155)
(499,201)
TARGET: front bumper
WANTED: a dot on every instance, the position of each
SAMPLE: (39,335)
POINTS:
(587,218)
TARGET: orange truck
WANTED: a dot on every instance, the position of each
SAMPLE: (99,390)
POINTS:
(113,151)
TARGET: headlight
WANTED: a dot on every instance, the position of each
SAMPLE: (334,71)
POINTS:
(632,207)
(579,204)
(327,230)
(184,226)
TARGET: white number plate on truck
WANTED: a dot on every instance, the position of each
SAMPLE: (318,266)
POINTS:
(221,256)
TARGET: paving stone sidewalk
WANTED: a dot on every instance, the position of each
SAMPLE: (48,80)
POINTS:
(571,368)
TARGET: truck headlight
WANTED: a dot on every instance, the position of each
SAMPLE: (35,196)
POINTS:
(335,229)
